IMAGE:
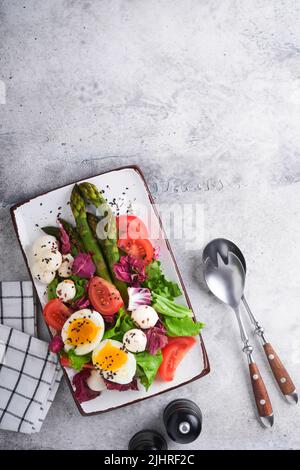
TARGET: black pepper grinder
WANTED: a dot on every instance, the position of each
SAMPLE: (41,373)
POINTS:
(183,420)
(147,440)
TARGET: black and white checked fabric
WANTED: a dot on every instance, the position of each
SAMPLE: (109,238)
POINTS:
(18,306)
(29,373)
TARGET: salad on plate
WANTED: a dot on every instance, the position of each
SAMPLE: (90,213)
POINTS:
(111,310)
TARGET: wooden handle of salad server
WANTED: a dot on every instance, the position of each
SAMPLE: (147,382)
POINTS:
(261,396)
(280,373)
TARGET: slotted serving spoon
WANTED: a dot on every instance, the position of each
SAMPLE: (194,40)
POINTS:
(282,377)
(226,281)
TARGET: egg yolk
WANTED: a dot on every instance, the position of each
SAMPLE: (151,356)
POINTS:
(82,331)
(110,358)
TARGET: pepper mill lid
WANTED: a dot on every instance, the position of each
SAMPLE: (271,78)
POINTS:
(183,420)
(147,439)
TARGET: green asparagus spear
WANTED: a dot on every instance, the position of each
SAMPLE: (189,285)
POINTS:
(92,196)
(112,256)
(108,239)
(91,245)
(75,240)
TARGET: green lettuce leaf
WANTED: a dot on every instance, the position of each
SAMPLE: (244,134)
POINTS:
(147,367)
(80,285)
(124,323)
(158,283)
(170,308)
(51,289)
(77,362)
(182,326)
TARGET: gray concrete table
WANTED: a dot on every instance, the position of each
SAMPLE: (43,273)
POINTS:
(205,97)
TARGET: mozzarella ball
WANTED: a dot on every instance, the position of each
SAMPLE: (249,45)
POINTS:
(83,331)
(50,260)
(66,290)
(145,316)
(46,242)
(45,276)
(65,269)
(95,381)
(135,340)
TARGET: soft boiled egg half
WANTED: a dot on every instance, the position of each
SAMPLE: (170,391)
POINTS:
(82,331)
(114,362)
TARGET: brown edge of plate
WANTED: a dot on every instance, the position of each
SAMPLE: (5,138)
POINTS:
(206,368)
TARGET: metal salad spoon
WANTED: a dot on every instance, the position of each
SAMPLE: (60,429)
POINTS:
(283,379)
(226,281)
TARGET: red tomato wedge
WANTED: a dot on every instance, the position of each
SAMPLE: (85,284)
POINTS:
(130,226)
(65,362)
(104,296)
(140,248)
(56,313)
(173,353)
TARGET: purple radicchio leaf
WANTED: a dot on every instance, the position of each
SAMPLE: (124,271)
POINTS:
(65,245)
(83,265)
(56,344)
(81,303)
(82,390)
(156,252)
(138,296)
(110,320)
(121,387)
(130,270)
(156,338)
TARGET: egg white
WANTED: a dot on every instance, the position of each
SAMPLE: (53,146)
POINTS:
(95,381)
(125,374)
(87,347)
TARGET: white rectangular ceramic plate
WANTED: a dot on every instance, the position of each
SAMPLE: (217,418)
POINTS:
(128,187)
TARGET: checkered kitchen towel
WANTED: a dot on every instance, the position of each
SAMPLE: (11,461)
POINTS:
(18,306)
(29,373)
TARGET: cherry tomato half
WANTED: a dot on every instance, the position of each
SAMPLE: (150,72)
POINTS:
(130,226)
(104,296)
(56,313)
(140,248)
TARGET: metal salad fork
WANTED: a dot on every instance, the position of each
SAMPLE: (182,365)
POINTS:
(226,281)
(223,247)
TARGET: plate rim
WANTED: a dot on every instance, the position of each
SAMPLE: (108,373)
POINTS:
(206,368)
